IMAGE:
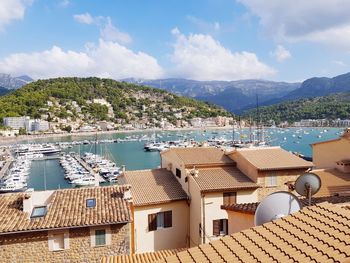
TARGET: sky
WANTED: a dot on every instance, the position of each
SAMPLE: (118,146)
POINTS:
(289,40)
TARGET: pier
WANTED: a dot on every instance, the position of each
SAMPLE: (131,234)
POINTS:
(7,164)
(88,168)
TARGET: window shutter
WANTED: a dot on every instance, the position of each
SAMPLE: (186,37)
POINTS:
(168,221)
(230,198)
(216,227)
(152,222)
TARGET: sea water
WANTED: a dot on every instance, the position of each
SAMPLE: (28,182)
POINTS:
(48,174)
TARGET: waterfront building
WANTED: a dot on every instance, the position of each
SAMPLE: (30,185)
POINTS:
(40,125)
(15,122)
(70,225)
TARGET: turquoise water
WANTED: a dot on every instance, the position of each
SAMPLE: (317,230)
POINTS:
(49,174)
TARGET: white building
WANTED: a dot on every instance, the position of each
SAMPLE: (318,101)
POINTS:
(15,122)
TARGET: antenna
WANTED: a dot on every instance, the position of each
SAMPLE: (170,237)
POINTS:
(307,185)
(276,205)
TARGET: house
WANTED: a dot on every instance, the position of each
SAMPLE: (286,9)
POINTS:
(318,233)
(160,210)
(332,160)
(271,168)
(70,225)
(210,178)
(326,154)
(241,216)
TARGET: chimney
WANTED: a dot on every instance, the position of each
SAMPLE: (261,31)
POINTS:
(127,194)
(97,179)
(28,203)
(123,169)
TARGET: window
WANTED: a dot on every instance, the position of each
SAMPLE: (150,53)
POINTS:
(271,180)
(39,211)
(100,237)
(230,198)
(220,227)
(58,240)
(91,202)
(178,173)
(159,220)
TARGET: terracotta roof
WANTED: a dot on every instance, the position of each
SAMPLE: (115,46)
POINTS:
(223,178)
(250,208)
(142,257)
(66,209)
(333,182)
(199,155)
(317,233)
(332,140)
(272,158)
(153,186)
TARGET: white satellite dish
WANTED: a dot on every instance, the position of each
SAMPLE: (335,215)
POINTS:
(307,185)
(276,205)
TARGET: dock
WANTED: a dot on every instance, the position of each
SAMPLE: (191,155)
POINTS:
(7,164)
(88,168)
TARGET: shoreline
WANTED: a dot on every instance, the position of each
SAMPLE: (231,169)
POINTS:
(20,138)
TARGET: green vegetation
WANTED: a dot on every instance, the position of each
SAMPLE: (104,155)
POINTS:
(328,107)
(128,102)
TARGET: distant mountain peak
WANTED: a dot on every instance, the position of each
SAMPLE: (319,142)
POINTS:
(10,83)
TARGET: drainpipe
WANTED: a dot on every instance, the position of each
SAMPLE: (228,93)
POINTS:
(203,219)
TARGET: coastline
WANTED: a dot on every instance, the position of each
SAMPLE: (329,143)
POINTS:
(20,138)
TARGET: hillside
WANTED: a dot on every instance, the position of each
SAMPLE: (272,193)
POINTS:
(327,107)
(234,96)
(73,98)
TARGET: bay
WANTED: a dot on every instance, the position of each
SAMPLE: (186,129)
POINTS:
(49,174)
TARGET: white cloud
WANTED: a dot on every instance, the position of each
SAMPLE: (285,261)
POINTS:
(281,53)
(110,33)
(201,57)
(106,59)
(12,10)
(300,20)
(339,63)
(84,18)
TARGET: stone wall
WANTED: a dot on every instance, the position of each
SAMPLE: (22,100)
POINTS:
(282,178)
(33,247)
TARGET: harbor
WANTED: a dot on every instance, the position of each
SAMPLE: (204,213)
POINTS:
(128,150)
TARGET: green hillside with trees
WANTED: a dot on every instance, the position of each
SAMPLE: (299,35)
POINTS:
(54,98)
(328,107)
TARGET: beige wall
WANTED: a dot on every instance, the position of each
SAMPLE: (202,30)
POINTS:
(166,238)
(170,161)
(213,211)
(195,212)
(244,166)
(239,221)
(34,246)
(282,177)
(325,155)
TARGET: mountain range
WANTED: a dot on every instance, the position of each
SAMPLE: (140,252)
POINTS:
(235,96)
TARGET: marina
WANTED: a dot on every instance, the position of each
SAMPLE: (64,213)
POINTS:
(128,150)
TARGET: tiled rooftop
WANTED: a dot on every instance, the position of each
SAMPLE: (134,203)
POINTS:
(153,186)
(250,208)
(317,233)
(223,178)
(142,257)
(333,182)
(67,208)
(272,158)
(199,156)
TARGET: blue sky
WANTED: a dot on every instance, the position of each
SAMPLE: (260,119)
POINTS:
(199,39)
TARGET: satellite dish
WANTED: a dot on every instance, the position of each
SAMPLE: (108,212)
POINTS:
(307,184)
(276,205)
